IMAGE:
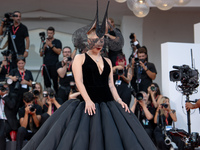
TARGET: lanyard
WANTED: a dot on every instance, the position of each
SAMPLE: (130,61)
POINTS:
(14,31)
(69,67)
(5,66)
(22,74)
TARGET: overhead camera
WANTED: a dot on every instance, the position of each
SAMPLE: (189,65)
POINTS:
(42,35)
(132,36)
(8,21)
(187,76)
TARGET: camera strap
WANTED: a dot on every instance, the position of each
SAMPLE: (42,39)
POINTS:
(22,74)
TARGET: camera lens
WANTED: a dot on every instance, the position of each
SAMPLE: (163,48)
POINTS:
(176,75)
(153,88)
(139,96)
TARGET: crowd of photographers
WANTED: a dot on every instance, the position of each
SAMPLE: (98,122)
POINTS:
(25,105)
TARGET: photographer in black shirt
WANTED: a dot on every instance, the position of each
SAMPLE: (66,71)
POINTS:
(50,53)
(19,35)
(29,117)
(64,69)
(144,71)
(6,65)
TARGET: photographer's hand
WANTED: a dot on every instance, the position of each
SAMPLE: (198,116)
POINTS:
(49,43)
(4,63)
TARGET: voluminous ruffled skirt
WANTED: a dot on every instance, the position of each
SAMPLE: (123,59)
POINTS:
(111,128)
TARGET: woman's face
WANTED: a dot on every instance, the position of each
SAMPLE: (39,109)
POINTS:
(21,64)
(37,87)
(121,62)
(94,42)
(166,101)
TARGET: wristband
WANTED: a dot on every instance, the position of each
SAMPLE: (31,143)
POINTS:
(27,50)
(52,47)
(118,99)
(146,70)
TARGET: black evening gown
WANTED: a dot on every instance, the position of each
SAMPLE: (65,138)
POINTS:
(111,128)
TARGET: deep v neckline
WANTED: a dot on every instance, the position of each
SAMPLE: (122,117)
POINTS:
(98,68)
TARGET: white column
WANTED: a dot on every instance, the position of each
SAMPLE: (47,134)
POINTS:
(197,33)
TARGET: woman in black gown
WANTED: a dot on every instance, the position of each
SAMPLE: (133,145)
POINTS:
(102,120)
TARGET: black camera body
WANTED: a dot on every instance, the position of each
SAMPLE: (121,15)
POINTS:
(32,108)
(6,53)
(188,77)
(139,96)
(119,72)
(164,105)
(17,85)
(8,21)
(132,36)
(42,35)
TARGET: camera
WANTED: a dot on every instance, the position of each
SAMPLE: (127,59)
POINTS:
(6,52)
(164,105)
(119,72)
(42,35)
(17,85)
(139,96)
(32,108)
(188,77)
(153,88)
(50,93)
(132,36)
(2,88)
(8,21)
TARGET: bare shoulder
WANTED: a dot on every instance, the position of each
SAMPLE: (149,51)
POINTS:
(108,61)
(79,58)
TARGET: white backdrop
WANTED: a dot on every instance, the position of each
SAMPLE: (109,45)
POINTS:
(179,54)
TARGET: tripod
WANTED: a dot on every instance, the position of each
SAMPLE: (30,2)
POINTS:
(43,66)
(8,31)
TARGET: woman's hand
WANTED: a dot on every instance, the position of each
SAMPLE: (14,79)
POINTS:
(90,108)
(124,105)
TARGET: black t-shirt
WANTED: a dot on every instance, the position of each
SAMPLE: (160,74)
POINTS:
(5,70)
(142,118)
(27,76)
(19,38)
(50,57)
(38,112)
(145,81)
(67,78)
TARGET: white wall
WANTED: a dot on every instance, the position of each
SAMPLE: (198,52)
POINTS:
(179,54)
(197,33)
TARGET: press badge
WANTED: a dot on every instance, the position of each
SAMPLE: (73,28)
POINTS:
(167,128)
(13,36)
(118,82)
(24,86)
(69,74)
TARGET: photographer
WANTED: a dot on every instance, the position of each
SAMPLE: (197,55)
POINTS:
(111,35)
(19,34)
(38,93)
(134,45)
(51,104)
(50,53)
(154,94)
(6,65)
(164,117)
(22,80)
(145,112)
(8,119)
(144,71)
(29,117)
(64,69)
(74,92)
(122,78)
